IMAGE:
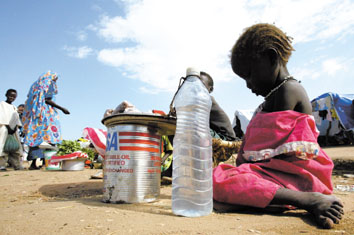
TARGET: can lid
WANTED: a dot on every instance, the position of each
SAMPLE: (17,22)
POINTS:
(192,71)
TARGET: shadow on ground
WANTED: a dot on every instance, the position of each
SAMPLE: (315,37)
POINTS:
(72,190)
(90,193)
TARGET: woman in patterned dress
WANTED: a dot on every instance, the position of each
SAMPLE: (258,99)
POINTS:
(40,117)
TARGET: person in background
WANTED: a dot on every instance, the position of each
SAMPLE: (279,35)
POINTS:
(280,162)
(9,124)
(40,116)
(224,141)
(220,125)
(20,109)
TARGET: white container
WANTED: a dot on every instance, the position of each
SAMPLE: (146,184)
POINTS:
(192,185)
(74,164)
(48,154)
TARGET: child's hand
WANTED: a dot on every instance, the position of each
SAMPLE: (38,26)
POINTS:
(10,131)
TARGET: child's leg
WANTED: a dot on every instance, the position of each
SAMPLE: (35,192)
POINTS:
(327,209)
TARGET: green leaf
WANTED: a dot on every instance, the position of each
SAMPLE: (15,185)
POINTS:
(69,146)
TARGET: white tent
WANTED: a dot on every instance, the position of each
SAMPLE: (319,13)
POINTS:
(244,115)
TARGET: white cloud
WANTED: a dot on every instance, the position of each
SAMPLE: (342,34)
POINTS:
(82,36)
(157,40)
(306,73)
(92,27)
(332,66)
(322,67)
(115,29)
(149,91)
(78,52)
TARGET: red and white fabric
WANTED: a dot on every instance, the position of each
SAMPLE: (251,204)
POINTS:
(71,156)
(98,138)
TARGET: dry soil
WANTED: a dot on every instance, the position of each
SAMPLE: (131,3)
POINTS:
(69,202)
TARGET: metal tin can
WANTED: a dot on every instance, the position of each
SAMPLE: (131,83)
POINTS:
(132,164)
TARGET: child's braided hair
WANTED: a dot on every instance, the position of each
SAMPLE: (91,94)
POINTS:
(257,39)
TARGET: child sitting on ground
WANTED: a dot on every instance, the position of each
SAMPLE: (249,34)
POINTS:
(280,161)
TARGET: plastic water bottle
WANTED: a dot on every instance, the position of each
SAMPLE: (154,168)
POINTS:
(192,185)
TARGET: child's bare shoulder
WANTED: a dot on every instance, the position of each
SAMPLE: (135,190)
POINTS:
(297,96)
(294,87)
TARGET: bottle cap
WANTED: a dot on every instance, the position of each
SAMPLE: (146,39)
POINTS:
(192,71)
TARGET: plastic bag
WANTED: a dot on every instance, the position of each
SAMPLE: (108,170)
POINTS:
(11,144)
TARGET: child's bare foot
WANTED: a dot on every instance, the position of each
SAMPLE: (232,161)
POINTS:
(328,210)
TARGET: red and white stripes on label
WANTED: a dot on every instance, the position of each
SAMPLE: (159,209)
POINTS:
(138,141)
(132,141)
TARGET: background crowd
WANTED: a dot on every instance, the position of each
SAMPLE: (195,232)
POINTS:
(30,124)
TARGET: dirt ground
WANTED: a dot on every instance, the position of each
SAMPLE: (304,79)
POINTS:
(69,202)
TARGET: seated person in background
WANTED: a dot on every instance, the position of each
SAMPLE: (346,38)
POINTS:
(220,124)
(225,142)
(280,162)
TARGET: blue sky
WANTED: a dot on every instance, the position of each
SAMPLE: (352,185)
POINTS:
(108,51)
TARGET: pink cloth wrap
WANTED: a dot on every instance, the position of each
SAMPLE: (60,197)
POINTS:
(300,168)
